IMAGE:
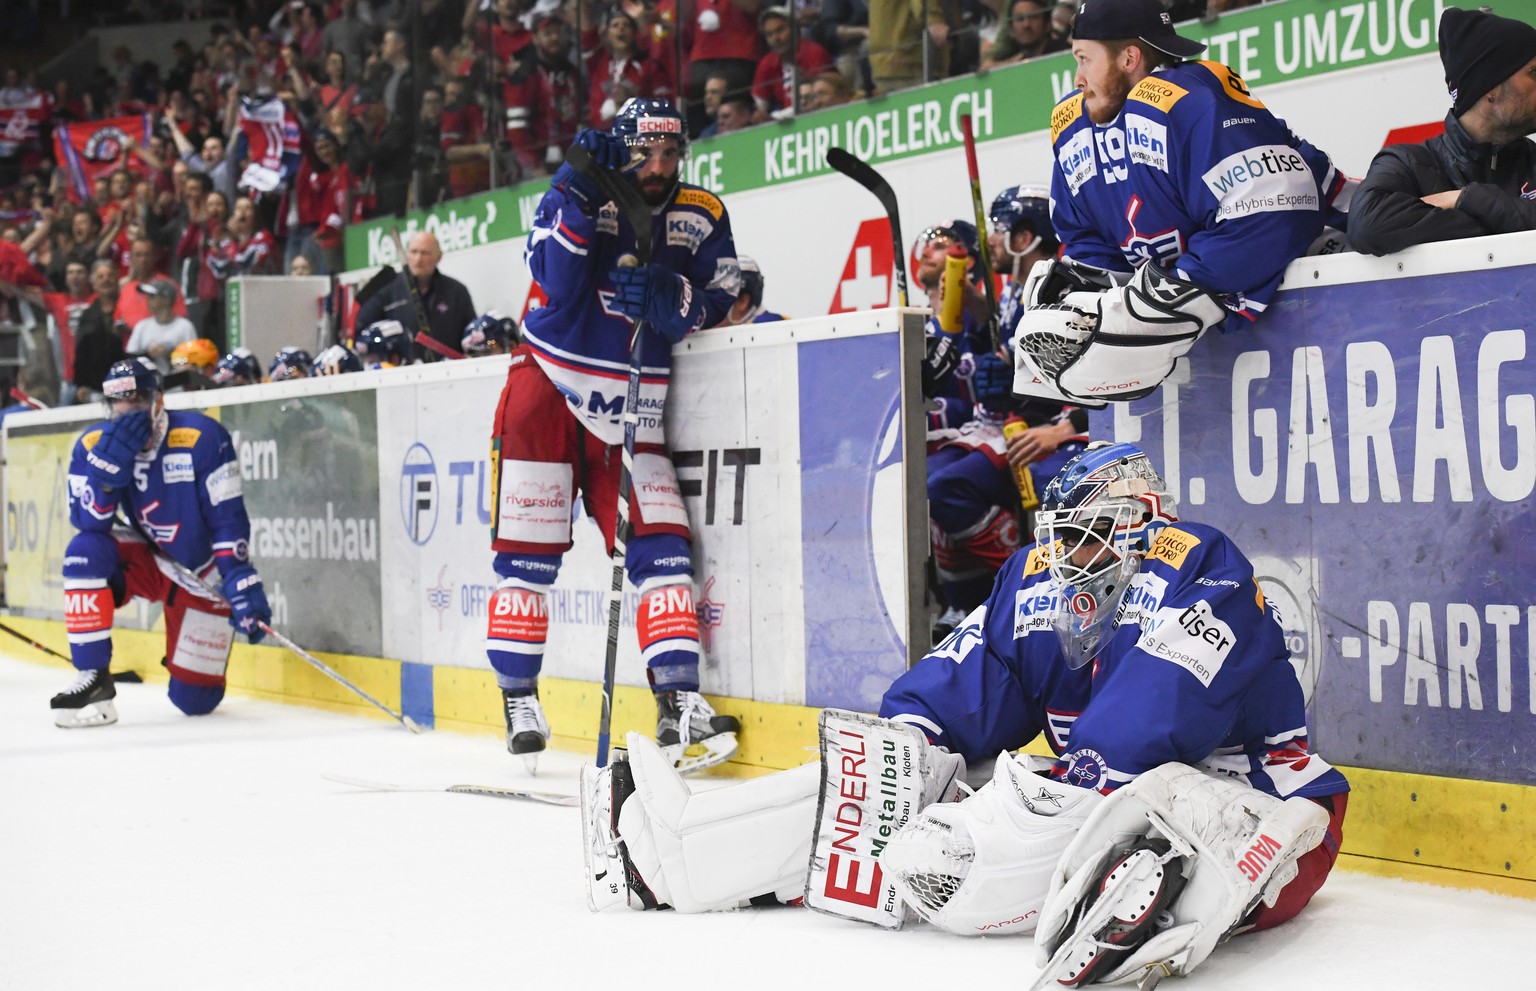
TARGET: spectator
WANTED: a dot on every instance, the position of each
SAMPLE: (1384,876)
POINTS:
(830,89)
(1062,17)
(463,137)
(429,160)
(66,308)
(1477,177)
(897,34)
(543,98)
(99,341)
(619,70)
(222,171)
(338,88)
(389,72)
(157,335)
(320,192)
(204,243)
(444,300)
(725,43)
(378,153)
(773,83)
(507,34)
(85,236)
(131,306)
(248,250)
(300,266)
(1028,35)
(715,89)
(842,28)
(655,37)
(734,114)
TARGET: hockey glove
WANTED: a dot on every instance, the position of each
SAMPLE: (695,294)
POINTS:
(110,461)
(939,363)
(608,152)
(993,381)
(664,299)
(247,601)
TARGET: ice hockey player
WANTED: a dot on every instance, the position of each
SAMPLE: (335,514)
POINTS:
(956,332)
(558,434)
(291,362)
(173,476)
(973,499)
(748,307)
(488,334)
(239,367)
(1180,198)
(384,344)
(1183,784)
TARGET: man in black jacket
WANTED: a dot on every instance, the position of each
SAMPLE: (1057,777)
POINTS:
(444,300)
(1480,176)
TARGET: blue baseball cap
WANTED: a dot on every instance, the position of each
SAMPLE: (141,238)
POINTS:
(1144,20)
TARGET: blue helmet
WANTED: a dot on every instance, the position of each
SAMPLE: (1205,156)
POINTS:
(239,367)
(960,231)
(640,120)
(484,331)
(337,360)
(383,345)
(290,363)
(134,378)
(751,280)
(1017,206)
(1096,522)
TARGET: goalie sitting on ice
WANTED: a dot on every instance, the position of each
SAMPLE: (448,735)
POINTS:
(1183,805)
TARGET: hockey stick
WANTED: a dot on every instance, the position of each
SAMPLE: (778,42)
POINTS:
(423,328)
(490,791)
(633,208)
(40,646)
(212,594)
(994,333)
(431,343)
(864,174)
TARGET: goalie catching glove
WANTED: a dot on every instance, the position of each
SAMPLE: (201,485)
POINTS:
(1164,870)
(1092,346)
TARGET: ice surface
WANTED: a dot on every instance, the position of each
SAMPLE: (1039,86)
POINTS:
(167,853)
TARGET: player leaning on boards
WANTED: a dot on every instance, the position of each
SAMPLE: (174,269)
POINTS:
(173,475)
(1184,786)
(1179,197)
(558,431)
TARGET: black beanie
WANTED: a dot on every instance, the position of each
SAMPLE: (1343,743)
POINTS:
(1479,51)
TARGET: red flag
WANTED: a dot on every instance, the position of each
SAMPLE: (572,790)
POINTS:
(92,148)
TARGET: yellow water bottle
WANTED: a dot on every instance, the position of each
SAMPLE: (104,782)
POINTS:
(1022,479)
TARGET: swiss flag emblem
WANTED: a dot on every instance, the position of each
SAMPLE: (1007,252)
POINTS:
(866,280)
(537,298)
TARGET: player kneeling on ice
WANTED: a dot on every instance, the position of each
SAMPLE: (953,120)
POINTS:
(558,434)
(1183,804)
(174,477)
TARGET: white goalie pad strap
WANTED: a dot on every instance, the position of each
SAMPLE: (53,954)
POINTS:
(712,850)
(1240,840)
(982,867)
(876,775)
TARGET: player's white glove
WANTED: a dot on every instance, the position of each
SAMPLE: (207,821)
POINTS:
(1092,348)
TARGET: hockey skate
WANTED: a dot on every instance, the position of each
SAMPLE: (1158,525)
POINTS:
(88,702)
(611,879)
(1133,894)
(685,721)
(527,730)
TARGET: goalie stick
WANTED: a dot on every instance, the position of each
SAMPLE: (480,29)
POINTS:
(864,174)
(488,791)
(632,207)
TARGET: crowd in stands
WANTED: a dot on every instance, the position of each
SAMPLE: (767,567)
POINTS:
(249,155)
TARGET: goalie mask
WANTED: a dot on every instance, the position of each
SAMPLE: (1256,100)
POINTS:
(1096,522)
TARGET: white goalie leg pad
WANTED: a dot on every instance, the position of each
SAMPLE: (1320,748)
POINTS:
(1239,846)
(877,774)
(712,850)
(983,867)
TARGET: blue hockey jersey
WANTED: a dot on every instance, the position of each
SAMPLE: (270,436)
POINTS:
(185,495)
(1194,670)
(580,340)
(1196,174)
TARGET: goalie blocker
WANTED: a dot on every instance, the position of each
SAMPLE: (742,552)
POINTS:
(1085,339)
